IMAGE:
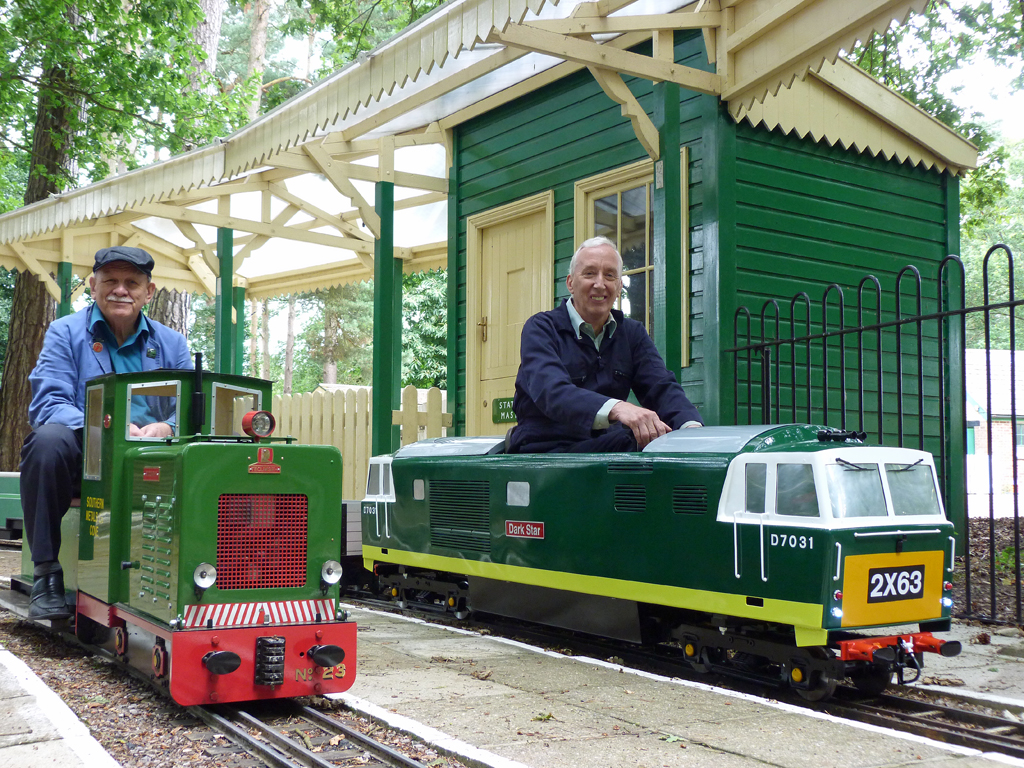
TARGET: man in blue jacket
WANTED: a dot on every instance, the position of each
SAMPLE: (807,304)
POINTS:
(110,335)
(579,362)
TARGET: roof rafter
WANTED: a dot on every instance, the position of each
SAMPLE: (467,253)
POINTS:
(606,57)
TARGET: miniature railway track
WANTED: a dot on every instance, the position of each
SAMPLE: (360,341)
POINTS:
(934,720)
(291,735)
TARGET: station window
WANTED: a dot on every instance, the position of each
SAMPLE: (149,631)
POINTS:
(617,205)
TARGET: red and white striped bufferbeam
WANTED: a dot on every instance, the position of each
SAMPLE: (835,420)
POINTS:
(257,614)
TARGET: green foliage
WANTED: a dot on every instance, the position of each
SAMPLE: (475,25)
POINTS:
(202,335)
(1006,561)
(425,329)
(357,26)
(347,312)
(345,316)
(281,77)
(126,70)
(913,59)
(1000,220)
(13,179)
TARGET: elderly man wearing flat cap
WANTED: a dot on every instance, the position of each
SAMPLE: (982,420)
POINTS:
(109,336)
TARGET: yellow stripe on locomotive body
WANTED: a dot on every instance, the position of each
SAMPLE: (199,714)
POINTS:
(806,617)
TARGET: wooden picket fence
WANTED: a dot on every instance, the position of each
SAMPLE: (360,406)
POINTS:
(343,419)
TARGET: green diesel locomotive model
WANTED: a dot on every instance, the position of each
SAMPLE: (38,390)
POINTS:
(780,553)
(209,559)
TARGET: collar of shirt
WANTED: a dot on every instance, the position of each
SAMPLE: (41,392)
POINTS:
(581,326)
(96,319)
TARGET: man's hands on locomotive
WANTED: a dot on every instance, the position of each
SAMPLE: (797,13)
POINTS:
(644,423)
(156,429)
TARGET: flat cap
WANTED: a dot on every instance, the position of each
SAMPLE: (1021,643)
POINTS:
(137,257)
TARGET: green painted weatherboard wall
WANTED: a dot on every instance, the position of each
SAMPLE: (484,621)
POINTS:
(551,139)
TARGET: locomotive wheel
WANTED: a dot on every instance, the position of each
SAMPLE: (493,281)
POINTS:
(872,680)
(825,686)
(707,658)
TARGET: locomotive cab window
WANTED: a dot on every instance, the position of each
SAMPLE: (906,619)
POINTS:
(756,476)
(93,442)
(855,490)
(912,487)
(379,485)
(795,494)
(151,403)
(230,404)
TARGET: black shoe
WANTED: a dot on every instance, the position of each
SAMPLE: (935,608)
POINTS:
(48,601)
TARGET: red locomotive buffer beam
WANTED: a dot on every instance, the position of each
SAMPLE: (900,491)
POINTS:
(864,649)
(264,662)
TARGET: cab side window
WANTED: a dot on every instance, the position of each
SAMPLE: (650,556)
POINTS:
(795,494)
(755,479)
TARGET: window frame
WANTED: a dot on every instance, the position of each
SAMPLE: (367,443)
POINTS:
(587,191)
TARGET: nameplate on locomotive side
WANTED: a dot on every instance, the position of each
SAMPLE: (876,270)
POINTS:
(524,529)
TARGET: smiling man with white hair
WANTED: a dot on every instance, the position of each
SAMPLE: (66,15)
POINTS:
(109,336)
(579,363)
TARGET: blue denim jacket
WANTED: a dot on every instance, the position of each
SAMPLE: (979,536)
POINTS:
(68,360)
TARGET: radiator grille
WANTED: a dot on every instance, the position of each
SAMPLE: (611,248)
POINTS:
(261,540)
(460,514)
(690,499)
(630,498)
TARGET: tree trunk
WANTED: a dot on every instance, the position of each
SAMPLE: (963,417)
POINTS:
(258,50)
(289,346)
(32,309)
(170,307)
(207,36)
(265,340)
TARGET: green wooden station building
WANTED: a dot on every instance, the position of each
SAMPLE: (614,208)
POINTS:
(726,145)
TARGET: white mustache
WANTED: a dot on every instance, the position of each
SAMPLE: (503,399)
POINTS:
(120,301)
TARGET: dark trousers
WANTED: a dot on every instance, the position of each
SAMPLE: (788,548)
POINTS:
(616,439)
(51,475)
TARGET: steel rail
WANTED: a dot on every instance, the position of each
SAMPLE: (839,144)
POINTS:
(382,751)
(977,730)
(243,739)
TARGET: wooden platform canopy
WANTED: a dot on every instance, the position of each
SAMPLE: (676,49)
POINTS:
(321,190)
(775,63)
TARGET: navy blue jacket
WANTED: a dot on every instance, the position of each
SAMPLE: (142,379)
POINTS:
(563,381)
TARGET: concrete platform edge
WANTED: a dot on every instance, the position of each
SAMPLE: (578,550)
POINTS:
(72,730)
(417,729)
(435,738)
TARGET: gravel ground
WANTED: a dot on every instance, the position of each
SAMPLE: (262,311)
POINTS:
(144,730)
(138,727)
(1007,606)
